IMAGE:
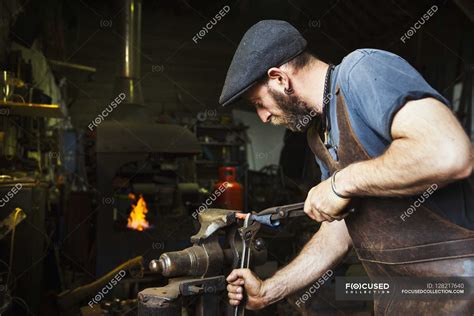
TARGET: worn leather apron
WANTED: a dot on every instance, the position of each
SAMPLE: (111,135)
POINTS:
(424,245)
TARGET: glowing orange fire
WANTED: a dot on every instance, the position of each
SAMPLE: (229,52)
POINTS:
(137,219)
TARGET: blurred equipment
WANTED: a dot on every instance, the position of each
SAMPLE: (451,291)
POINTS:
(232,193)
(7,85)
(27,199)
(17,98)
(270,186)
(9,224)
(223,144)
(68,301)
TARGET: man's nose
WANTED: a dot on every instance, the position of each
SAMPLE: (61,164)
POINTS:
(264,115)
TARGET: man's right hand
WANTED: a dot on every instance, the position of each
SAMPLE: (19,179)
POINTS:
(253,289)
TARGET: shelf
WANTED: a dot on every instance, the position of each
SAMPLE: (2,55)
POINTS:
(31,109)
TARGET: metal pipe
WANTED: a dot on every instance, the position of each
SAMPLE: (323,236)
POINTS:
(128,81)
(132,39)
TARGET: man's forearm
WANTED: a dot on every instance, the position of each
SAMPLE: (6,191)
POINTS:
(395,173)
(327,247)
(400,171)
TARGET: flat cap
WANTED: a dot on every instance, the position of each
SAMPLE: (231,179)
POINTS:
(267,44)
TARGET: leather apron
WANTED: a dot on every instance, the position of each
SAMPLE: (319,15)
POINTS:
(424,245)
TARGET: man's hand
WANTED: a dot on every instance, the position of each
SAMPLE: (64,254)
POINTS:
(323,205)
(253,289)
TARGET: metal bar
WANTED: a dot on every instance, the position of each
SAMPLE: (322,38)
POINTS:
(72,65)
(11,221)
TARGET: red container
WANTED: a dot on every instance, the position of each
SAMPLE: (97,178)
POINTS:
(230,194)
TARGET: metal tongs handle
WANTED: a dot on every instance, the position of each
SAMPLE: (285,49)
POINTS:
(271,216)
(284,211)
(244,261)
(283,208)
(291,210)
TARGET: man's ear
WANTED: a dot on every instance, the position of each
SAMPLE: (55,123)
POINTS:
(279,76)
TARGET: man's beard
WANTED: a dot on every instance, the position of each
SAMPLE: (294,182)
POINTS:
(296,114)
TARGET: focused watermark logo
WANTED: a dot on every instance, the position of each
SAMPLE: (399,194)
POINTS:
(158,245)
(418,24)
(10,194)
(207,115)
(262,155)
(108,287)
(313,288)
(314,23)
(398,289)
(158,68)
(107,200)
(105,23)
(209,25)
(421,199)
(54,155)
(367,287)
(208,202)
(105,112)
(362,288)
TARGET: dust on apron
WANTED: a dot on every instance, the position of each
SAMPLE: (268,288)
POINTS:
(425,245)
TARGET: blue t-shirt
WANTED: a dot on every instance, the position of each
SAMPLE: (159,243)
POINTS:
(375,85)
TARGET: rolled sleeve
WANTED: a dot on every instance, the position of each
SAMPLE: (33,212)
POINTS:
(381,83)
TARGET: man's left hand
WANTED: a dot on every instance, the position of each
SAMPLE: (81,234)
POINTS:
(322,204)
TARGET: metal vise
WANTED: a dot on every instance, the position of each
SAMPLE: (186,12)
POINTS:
(216,250)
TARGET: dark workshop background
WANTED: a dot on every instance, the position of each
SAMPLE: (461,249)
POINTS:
(62,65)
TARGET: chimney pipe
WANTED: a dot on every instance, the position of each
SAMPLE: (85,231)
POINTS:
(128,81)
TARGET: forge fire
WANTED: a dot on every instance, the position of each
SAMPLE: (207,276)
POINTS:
(137,218)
